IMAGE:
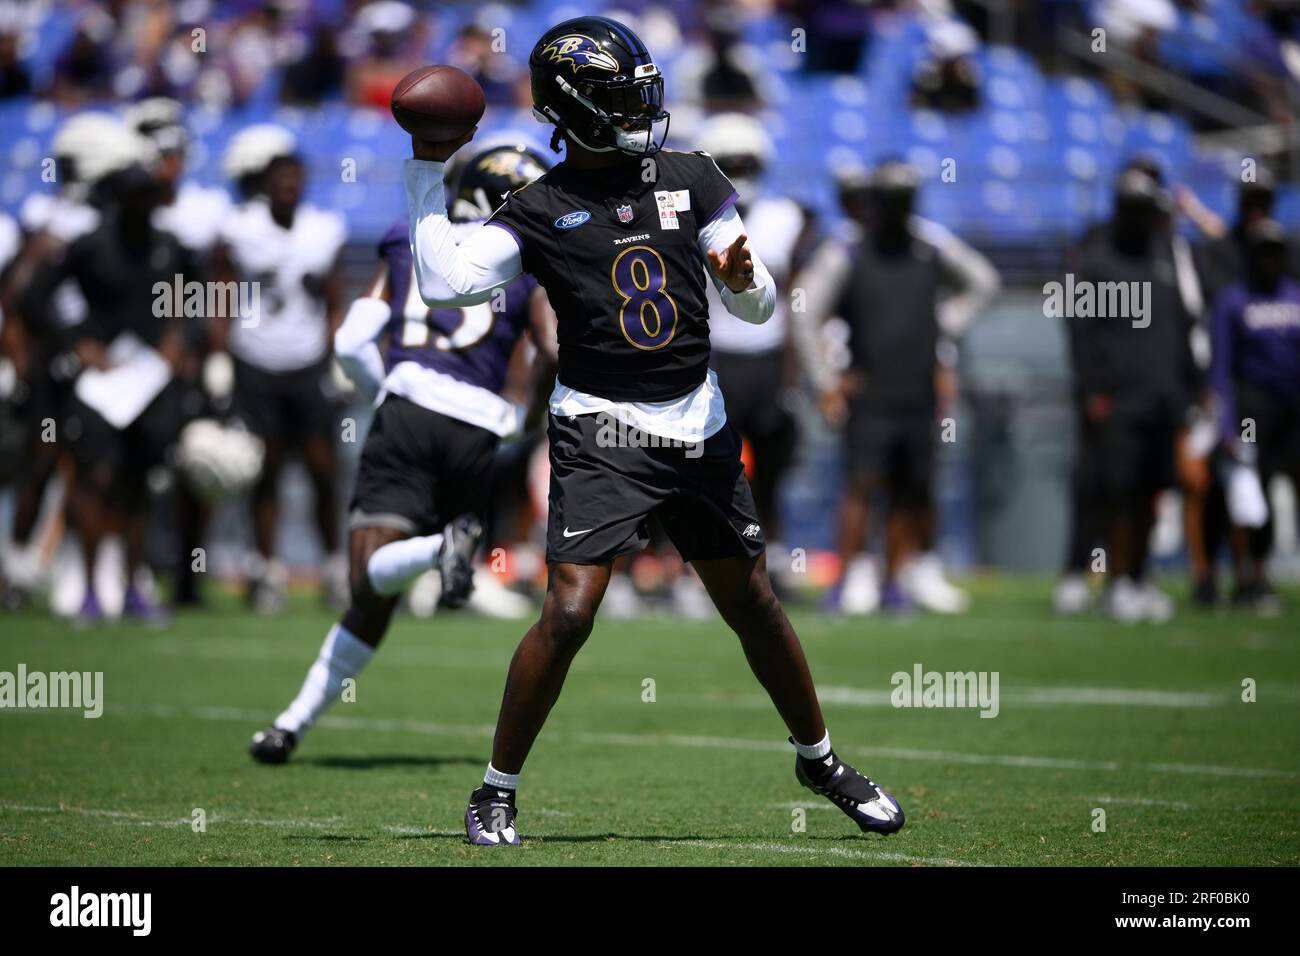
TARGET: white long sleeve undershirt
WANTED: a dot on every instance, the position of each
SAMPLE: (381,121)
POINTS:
(462,268)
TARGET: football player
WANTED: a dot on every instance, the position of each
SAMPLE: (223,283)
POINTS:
(124,411)
(193,213)
(751,359)
(425,465)
(283,385)
(904,285)
(32,333)
(619,234)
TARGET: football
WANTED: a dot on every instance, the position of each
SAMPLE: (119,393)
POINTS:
(437,103)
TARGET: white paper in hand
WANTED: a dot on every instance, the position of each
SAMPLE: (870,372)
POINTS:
(134,377)
(1247,504)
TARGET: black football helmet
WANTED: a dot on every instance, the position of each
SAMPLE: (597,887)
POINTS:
(593,79)
(478,184)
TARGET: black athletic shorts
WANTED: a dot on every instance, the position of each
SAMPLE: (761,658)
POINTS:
(1132,456)
(1277,428)
(420,469)
(751,383)
(892,449)
(287,407)
(603,492)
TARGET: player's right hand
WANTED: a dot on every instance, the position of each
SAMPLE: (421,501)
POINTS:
(438,152)
(91,354)
(834,406)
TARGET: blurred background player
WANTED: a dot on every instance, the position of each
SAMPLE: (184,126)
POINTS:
(1255,376)
(1136,379)
(887,280)
(124,413)
(1203,516)
(43,368)
(282,379)
(425,467)
(753,361)
(194,214)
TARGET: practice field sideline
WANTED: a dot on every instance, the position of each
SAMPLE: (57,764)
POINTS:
(1144,723)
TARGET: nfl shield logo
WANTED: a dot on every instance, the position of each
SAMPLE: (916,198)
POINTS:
(624,213)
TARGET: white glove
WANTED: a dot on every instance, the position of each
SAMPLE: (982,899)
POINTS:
(219,376)
(1247,505)
(354,344)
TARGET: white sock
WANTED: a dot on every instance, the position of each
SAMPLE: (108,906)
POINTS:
(343,655)
(813,751)
(396,565)
(495,778)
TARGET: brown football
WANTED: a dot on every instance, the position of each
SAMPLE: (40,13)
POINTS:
(437,103)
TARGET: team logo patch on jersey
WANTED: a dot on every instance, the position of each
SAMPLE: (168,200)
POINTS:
(572,220)
(624,213)
(580,51)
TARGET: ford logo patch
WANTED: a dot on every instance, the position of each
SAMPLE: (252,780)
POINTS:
(572,220)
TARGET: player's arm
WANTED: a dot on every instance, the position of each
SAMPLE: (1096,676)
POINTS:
(543,325)
(821,285)
(969,275)
(451,275)
(743,282)
(354,340)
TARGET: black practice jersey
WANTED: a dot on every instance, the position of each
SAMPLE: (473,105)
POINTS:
(616,250)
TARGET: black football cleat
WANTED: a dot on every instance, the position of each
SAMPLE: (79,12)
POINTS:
(873,809)
(456,560)
(272,745)
(490,817)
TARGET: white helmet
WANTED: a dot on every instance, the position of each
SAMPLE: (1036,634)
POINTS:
(736,134)
(161,119)
(220,461)
(740,146)
(97,144)
(253,148)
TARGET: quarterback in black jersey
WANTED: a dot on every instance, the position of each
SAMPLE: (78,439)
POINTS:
(621,234)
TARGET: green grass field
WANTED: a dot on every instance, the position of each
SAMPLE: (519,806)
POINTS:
(1145,723)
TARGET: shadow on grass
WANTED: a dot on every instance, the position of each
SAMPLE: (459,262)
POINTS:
(585,838)
(373,761)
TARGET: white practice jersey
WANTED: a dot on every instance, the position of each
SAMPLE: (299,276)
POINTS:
(287,327)
(63,218)
(773,225)
(196,216)
(66,220)
(10,238)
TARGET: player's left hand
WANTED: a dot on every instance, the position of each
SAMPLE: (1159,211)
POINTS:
(735,266)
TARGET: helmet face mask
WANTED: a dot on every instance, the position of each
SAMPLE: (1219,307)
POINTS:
(593,79)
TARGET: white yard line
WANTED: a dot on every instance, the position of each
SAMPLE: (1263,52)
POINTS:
(820,851)
(127,818)
(1049,697)
(256,718)
(1142,802)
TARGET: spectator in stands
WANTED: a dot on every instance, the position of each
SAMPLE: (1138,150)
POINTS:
(503,80)
(1134,27)
(948,79)
(393,35)
(15,80)
(317,75)
(717,71)
(84,70)
(837,33)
